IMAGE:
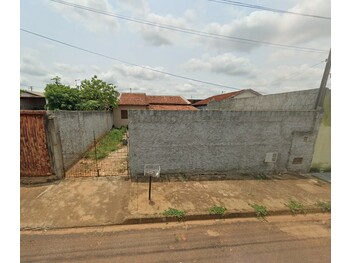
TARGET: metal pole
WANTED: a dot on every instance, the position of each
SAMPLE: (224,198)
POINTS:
(98,172)
(149,188)
(321,93)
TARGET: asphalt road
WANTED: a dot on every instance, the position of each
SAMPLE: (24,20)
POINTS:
(281,239)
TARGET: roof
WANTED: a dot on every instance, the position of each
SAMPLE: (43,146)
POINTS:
(223,97)
(171,107)
(133,99)
(141,99)
(172,100)
(32,94)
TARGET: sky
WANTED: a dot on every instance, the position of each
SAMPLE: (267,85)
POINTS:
(213,47)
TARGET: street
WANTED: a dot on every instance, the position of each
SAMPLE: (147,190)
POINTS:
(281,239)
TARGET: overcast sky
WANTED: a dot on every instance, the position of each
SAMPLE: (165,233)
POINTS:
(268,60)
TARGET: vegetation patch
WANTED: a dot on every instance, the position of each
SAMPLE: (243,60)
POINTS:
(325,206)
(172,212)
(296,207)
(217,210)
(260,210)
(109,143)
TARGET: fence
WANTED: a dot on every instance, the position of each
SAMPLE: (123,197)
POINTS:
(53,142)
(35,158)
(202,142)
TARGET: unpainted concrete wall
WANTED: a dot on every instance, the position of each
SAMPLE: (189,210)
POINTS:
(221,141)
(289,101)
(76,130)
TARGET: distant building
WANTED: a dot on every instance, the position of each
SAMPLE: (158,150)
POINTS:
(31,100)
(141,101)
(236,94)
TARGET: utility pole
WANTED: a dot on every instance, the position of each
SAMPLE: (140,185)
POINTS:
(322,90)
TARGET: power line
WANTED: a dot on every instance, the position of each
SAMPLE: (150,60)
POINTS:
(192,31)
(125,62)
(228,2)
(300,73)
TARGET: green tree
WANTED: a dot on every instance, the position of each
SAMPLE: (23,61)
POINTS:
(95,94)
(60,96)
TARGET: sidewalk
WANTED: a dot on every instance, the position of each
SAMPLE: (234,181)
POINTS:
(95,201)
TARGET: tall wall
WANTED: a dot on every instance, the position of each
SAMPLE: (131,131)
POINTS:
(221,141)
(76,130)
(289,101)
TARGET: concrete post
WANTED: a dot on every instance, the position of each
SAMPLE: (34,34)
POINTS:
(55,147)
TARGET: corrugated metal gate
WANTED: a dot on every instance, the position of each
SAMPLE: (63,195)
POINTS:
(35,160)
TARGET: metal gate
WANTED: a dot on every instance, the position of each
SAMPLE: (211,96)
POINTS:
(35,160)
(91,164)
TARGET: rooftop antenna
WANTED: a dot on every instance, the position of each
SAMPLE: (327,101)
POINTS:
(77,83)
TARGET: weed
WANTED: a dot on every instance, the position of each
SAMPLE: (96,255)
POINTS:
(325,206)
(261,176)
(179,214)
(109,143)
(260,210)
(296,207)
(217,210)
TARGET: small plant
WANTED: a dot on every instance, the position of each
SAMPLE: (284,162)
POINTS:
(260,210)
(261,176)
(109,143)
(296,207)
(179,214)
(217,210)
(325,206)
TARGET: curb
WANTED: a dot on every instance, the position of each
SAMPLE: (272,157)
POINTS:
(193,217)
(196,217)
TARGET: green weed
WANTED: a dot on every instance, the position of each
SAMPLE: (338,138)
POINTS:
(217,210)
(260,210)
(296,207)
(109,143)
(325,206)
(170,212)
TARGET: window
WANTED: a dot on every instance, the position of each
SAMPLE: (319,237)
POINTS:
(298,160)
(124,114)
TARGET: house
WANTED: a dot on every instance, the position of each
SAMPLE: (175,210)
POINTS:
(236,94)
(31,100)
(141,101)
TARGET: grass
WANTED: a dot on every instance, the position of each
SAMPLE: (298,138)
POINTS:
(217,210)
(109,143)
(260,210)
(170,212)
(325,206)
(296,207)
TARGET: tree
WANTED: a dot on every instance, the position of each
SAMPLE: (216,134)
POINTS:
(96,94)
(93,94)
(60,96)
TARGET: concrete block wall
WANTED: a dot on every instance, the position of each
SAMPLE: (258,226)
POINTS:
(76,129)
(220,141)
(289,101)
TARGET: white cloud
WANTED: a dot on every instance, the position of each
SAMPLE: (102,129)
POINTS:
(30,65)
(62,67)
(274,27)
(222,64)
(139,73)
(158,36)
(90,20)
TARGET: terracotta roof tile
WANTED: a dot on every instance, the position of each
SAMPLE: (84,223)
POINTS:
(217,98)
(133,99)
(171,107)
(172,100)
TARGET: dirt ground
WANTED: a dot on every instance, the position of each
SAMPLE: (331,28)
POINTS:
(113,165)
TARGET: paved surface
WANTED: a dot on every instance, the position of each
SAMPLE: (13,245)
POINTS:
(323,176)
(78,202)
(281,239)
